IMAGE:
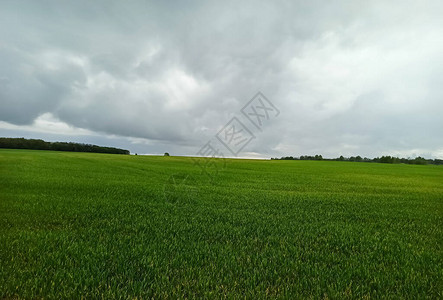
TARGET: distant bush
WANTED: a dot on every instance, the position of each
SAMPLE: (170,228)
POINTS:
(166,154)
(35,144)
(384,159)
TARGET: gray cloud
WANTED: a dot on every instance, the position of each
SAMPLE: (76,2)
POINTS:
(350,77)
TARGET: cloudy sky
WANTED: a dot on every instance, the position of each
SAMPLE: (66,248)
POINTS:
(348,77)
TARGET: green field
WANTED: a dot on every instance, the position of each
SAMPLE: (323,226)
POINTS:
(116,226)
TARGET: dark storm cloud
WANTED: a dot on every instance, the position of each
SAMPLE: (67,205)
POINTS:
(350,77)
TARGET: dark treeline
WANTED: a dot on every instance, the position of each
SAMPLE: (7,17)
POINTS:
(22,143)
(384,159)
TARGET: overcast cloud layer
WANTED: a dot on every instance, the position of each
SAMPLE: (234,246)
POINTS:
(349,77)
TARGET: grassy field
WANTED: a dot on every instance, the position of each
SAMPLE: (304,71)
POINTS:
(103,225)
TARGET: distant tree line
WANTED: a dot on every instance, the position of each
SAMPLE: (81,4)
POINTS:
(34,144)
(384,159)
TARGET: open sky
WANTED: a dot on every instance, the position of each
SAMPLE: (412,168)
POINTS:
(347,77)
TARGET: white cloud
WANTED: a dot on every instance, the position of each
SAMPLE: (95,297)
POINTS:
(47,123)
